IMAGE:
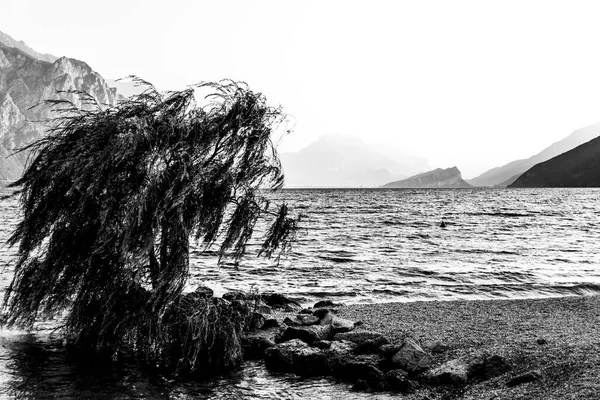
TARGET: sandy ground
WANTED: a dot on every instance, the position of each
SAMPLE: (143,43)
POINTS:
(569,360)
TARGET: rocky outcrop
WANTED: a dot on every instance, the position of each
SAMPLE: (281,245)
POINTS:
(438,178)
(579,167)
(26,81)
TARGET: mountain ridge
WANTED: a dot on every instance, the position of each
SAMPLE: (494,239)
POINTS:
(499,175)
(579,167)
(25,82)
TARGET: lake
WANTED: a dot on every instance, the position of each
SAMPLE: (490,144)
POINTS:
(355,246)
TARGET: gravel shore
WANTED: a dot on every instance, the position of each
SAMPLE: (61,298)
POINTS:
(560,337)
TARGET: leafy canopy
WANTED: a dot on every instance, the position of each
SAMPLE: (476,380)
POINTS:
(112,198)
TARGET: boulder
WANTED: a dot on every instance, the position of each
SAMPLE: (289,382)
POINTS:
(203,292)
(324,304)
(235,295)
(322,344)
(361,337)
(529,376)
(411,357)
(483,367)
(437,347)
(338,324)
(398,381)
(468,369)
(305,311)
(389,350)
(297,357)
(307,334)
(453,372)
(256,321)
(271,323)
(355,370)
(305,319)
(277,300)
(291,322)
(264,309)
(254,346)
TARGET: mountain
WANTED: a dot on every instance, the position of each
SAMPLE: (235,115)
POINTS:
(26,81)
(339,161)
(498,176)
(8,41)
(438,178)
(579,167)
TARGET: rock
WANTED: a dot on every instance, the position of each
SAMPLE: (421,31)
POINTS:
(361,385)
(541,341)
(306,311)
(389,350)
(397,380)
(324,304)
(322,344)
(360,337)
(256,321)
(437,347)
(453,372)
(291,322)
(321,313)
(354,370)
(270,323)
(338,324)
(467,369)
(255,346)
(204,292)
(305,319)
(240,305)
(368,346)
(308,334)
(264,309)
(411,357)
(339,350)
(529,376)
(235,295)
(297,357)
(277,300)
(484,367)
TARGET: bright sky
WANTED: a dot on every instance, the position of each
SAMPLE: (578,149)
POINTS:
(474,84)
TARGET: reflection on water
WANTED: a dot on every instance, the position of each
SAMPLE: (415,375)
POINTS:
(36,366)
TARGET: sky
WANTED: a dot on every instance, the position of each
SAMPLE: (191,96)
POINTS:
(475,84)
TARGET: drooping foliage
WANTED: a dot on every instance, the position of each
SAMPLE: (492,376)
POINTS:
(112,198)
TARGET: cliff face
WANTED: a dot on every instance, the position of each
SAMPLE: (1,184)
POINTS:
(579,167)
(438,178)
(26,81)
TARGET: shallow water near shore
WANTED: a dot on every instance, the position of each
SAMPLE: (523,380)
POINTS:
(357,246)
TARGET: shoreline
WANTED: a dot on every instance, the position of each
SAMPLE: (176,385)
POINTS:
(559,336)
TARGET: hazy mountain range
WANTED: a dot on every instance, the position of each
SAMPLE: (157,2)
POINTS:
(27,78)
(26,81)
(346,161)
(505,175)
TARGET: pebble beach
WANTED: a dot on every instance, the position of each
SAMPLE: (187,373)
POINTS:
(556,337)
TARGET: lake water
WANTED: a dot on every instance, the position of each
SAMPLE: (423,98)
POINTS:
(356,246)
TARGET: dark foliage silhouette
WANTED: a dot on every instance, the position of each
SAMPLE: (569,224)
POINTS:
(112,198)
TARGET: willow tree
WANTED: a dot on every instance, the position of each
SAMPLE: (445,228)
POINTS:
(113,197)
